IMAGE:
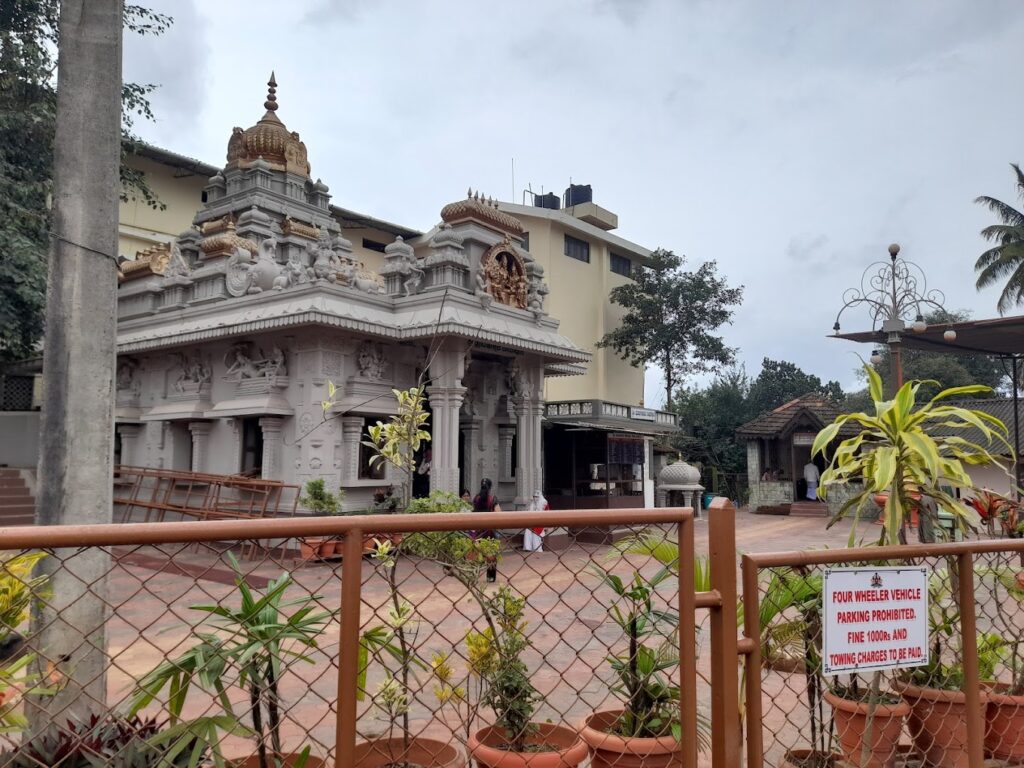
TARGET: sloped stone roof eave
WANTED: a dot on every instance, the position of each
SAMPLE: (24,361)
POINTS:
(340,308)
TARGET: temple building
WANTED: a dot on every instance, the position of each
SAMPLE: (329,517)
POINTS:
(233,333)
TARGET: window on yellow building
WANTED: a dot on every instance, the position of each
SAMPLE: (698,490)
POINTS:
(577,249)
(621,265)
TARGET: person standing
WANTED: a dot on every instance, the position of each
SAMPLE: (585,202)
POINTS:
(812,476)
(533,538)
(485,501)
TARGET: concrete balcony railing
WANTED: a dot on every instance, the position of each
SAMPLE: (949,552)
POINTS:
(602,409)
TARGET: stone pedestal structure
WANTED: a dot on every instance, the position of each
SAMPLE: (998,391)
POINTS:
(271,426)
(445,394)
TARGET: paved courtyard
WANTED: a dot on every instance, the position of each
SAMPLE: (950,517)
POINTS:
(567,613)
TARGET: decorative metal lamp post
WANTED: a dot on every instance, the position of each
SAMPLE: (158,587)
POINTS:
(896,294)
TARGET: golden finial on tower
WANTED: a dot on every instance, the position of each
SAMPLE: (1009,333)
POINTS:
(271,102)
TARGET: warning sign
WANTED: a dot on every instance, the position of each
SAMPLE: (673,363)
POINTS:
(874,618)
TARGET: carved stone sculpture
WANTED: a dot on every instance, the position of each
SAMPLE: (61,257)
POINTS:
(324,261)
(291,274)
(481,291)
(414,278)
(193,373)
(505,275)
(236,274)
(371,361)
(515,380)
(127,382)
(265,270)
(241,364)
(177,266)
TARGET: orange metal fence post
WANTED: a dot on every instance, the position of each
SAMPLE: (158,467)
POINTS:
(752,634)
(725,709)
(687,639)
(969,646)
(348,643)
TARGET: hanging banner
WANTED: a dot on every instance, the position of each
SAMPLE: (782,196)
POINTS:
(874,618)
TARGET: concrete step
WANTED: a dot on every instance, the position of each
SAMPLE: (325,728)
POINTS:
(808,509)
(12,482)
(20,509)
(14,493)
(8,472)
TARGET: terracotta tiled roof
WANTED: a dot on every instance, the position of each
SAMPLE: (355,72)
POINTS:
(776,422)
(1001,408)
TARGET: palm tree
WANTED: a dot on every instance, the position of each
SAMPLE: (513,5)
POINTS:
(1006,259)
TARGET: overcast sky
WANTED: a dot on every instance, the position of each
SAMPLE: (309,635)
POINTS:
(789,141)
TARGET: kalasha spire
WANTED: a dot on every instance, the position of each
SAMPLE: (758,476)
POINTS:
(271,102)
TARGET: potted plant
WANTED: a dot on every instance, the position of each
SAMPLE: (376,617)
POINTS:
(646,732)
(495,656)
(392,646)
(243,648)
(990,507)
(1004,716)
(938,706)
(851,706)
(320,502)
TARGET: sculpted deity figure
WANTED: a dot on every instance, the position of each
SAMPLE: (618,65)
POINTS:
(371,361)
(414,276)
(193,373)
(239,364)
(273,365)
(177,266)
(126,381)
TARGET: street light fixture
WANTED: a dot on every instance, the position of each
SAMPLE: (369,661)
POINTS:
(896,294)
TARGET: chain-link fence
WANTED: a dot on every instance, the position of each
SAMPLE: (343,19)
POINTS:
(399,640)
(894,656)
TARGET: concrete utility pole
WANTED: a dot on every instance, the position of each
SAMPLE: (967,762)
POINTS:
(76,444)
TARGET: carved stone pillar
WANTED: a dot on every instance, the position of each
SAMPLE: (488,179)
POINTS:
(445,403)
(200,445)
(130,451)
(471,455)
(271,426)
(446,394)
(521,408)
(351,432)
(506,461)
(534,459)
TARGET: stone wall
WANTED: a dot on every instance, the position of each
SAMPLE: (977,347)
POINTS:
(770,494)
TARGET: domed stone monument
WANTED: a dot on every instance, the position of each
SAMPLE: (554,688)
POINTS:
(679,486)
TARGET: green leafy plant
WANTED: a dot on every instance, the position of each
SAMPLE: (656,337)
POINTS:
(905,450)
(497,660)
(651,701)
(319,500)
(246,647)
(98,742)
(393,643)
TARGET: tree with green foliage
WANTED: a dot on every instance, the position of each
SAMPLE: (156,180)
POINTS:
(1003,263)
(781,381)
(28,102)
(671,318)
(711,416)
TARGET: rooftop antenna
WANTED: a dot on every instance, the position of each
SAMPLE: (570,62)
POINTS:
(513,198)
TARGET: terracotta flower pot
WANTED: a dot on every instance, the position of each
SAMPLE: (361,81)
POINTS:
(938,724)
(1004,724)
(427,753)
(567,748)
(609,750)
(309,549)
(253,761)
(851,719)
(327,549)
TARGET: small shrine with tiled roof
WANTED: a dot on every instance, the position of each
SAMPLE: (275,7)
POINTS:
(779,449)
